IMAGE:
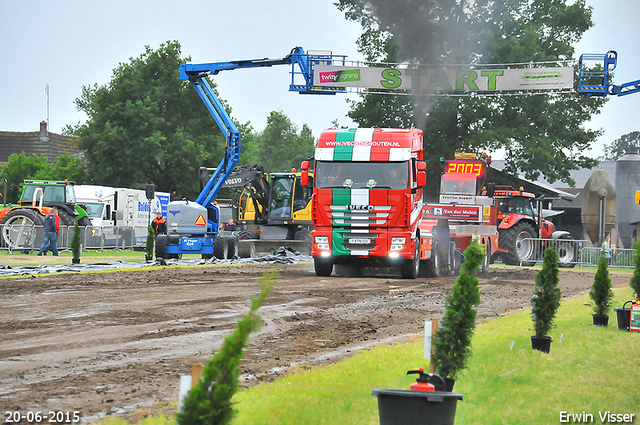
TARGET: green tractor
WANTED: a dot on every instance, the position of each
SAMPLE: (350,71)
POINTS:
(18,222)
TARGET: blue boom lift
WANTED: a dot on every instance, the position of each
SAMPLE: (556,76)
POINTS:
(192,227)
(594,76)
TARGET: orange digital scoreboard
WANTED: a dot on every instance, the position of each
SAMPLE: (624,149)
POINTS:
(478,168)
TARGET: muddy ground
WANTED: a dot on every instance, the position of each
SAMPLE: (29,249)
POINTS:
(113,343)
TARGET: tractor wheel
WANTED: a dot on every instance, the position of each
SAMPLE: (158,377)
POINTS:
(161,246)
(519,250)
(18,230)
(567,253)
(220,247)
(232,247)
(411,267)
(84,221)
(66,219)
(323,267)
(248,234)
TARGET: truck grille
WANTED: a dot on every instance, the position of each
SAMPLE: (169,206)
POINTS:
(375,215)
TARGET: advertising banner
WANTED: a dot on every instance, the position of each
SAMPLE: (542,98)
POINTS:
(452,212)
(432,80)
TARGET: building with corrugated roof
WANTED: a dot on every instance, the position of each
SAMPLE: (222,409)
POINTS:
(44,143)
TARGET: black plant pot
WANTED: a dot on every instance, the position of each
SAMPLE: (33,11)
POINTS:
(449,383)
(541,343)
(401,407)
(600,320)
(624,316)
(148,257)
(75,261)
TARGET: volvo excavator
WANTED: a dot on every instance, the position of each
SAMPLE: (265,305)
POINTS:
(270,207)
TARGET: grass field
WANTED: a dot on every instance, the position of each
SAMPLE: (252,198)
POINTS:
(590,371)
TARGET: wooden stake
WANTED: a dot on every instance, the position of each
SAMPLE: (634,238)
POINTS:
(434,334)
(196,373)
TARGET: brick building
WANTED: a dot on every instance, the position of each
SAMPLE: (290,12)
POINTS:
(51,145)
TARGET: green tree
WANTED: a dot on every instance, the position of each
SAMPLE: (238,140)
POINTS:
(540,134)
(546,294)
(629,142)
(148,126)
(21,167)
(281,146)
(453,342)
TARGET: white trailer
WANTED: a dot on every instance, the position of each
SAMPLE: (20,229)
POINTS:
(120,216)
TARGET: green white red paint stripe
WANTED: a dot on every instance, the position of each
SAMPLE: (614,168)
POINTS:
(363,144)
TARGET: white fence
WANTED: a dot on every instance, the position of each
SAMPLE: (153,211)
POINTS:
(25,237)
(572,253)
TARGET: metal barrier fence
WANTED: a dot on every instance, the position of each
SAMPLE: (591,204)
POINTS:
(26,237)
(572,252)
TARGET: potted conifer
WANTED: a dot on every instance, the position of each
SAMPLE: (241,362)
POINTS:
(453,341)
(76,246)
(151,238)
(545,301)
(601,293)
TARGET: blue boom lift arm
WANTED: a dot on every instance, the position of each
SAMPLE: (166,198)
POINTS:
(197,73)
(594,80)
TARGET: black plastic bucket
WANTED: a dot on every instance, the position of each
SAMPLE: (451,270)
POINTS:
(624,316)
(402,407)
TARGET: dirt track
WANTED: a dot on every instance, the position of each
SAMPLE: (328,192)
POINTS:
(109,343)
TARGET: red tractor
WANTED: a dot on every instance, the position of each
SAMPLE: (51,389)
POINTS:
(519,228)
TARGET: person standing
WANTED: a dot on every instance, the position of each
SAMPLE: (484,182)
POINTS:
(159,224)
(51,230)
(606,247)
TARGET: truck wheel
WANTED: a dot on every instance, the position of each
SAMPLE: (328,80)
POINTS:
(567,253)
(519,250)
(484,267)
(161,246)
(323,267)
(432,266)
(232,247)
(411,267)
(220,247)
(18,228)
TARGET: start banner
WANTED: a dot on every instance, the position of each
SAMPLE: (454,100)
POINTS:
(432,80)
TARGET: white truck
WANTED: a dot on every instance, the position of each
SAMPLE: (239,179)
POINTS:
(119,217)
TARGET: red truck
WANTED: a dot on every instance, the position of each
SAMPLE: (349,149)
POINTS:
(367,200)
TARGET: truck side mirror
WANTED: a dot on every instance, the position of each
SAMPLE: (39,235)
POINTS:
(304,176)
(421,179)
(421,166)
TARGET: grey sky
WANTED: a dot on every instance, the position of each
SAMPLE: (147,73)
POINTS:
(71,43)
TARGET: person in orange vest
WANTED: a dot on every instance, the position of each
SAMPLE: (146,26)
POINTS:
(159,224)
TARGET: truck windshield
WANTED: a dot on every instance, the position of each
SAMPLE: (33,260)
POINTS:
(362,175)
(94,209)
(458,184)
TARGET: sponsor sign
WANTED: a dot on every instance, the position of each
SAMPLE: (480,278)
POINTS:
(452,212)
(440,80)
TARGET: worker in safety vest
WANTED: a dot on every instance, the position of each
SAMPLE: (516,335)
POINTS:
(159,224)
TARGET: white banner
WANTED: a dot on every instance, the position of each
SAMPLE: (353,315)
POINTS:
(431,80)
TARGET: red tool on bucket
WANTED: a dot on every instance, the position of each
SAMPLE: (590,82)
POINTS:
(427,381)
(634,322)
